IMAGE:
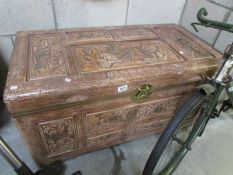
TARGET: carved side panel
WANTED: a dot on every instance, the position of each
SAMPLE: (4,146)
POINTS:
(134,33)
(118,117)
(104,35)
(185,44)
(89,36)
(58,136)
(47,57)
(127,54)
(167,32)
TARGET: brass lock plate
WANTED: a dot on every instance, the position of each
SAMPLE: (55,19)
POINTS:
(142,92)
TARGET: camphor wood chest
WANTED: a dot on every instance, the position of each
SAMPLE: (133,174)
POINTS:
(73,91)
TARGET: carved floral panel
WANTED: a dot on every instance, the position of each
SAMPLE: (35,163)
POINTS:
(47,58)
(118,117)
(126,54)
(58,136)
(186,45)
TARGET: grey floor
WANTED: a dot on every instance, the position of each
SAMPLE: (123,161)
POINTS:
(212,154)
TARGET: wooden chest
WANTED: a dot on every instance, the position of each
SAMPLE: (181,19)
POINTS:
(77,90)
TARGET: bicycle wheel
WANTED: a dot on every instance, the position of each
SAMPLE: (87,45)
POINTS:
(171,146)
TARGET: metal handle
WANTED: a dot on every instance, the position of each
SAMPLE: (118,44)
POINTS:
(202,13)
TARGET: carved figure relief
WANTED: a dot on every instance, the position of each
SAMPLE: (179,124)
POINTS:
(58,136)
(47,57)
(187,46)
(108,60)
(102,56)
(116,117)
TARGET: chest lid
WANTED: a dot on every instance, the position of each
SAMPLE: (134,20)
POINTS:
(64,64)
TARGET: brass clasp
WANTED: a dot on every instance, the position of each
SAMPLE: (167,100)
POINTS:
(143,92)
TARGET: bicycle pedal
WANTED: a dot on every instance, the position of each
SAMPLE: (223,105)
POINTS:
(215,114)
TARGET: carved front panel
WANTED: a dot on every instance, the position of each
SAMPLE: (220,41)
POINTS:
(184,43)
(58,136)
(130,132)
(47,58)
(118,117)
(127,54)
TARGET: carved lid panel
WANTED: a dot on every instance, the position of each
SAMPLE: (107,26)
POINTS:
(123,55)
(47,57)
(185,44)
(49,63)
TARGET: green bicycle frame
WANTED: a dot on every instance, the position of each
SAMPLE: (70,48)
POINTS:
(200,125)
(218,82)
(203,21)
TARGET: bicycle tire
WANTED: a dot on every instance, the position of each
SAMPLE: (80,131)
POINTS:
(181,114)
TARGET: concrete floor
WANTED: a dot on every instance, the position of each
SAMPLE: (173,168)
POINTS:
(212,154)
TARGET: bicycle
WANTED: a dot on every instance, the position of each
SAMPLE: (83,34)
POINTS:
(192,117)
